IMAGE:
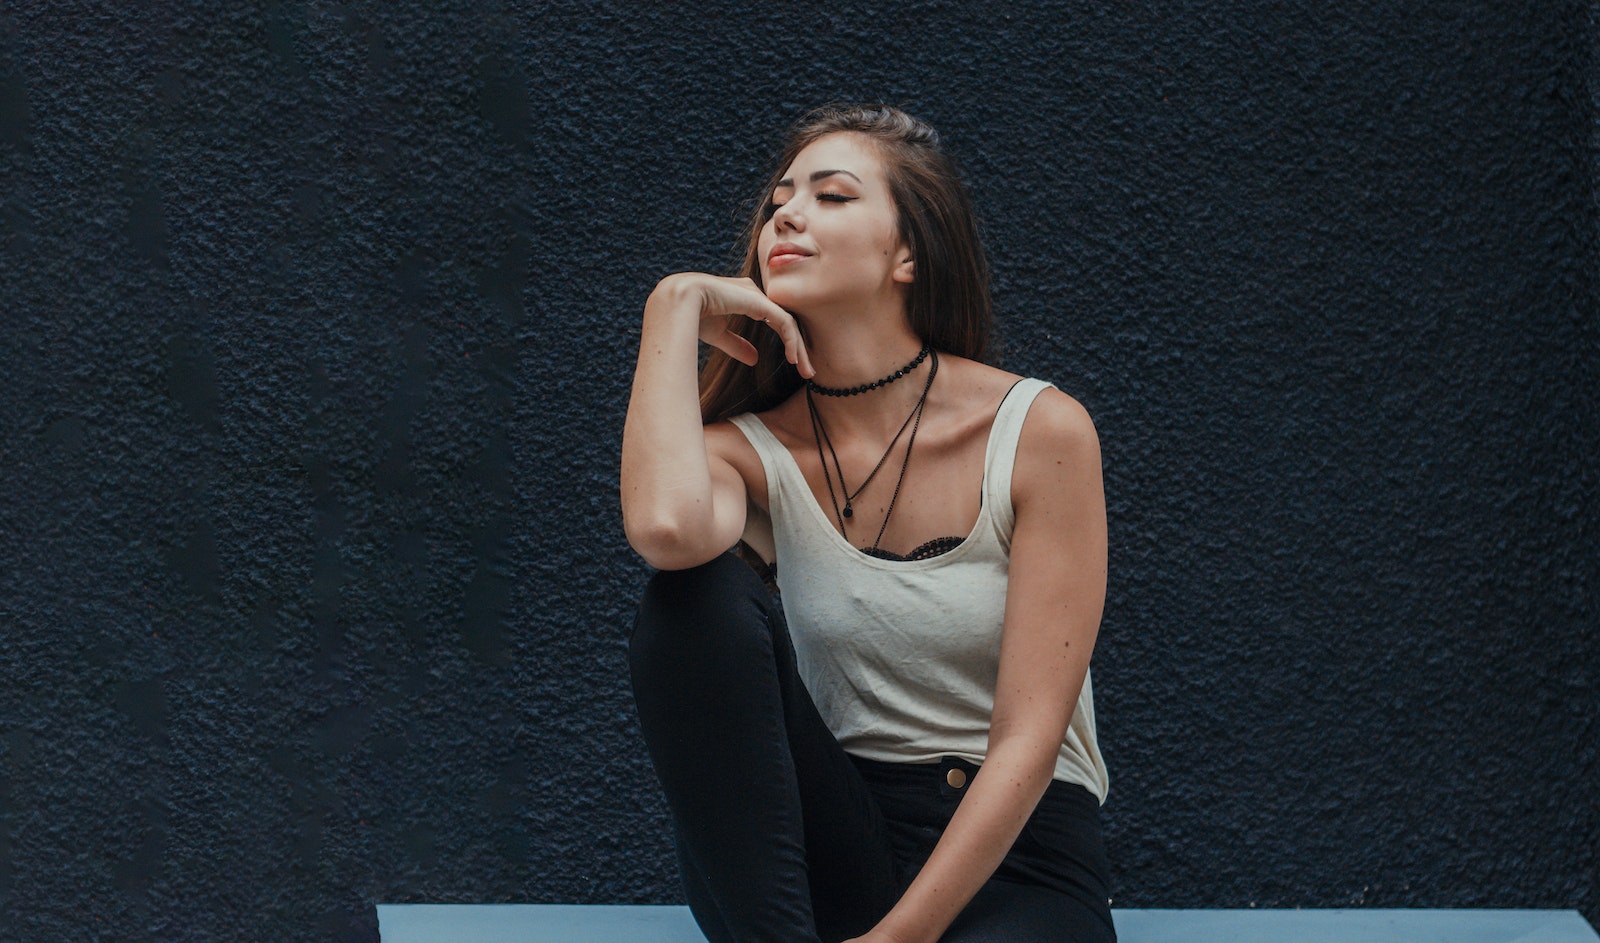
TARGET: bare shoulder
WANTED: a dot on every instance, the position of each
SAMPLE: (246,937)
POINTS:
(724,438)
(973,381)
(726,441)
(1058,449)
(1055,419)
(1059,420)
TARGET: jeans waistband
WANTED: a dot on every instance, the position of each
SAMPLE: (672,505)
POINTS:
(952,775)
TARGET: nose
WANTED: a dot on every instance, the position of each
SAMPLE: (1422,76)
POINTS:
(788,216)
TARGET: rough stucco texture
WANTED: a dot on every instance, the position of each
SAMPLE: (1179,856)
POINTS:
(318,325)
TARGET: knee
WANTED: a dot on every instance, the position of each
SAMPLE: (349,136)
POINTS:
(688,616)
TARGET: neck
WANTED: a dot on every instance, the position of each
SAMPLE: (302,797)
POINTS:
(882,370)
(875,414)
(857,341)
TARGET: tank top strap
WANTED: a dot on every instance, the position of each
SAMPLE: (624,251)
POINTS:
(1001,459)
(776,462)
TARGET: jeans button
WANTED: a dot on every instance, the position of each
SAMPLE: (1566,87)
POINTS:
(956,778)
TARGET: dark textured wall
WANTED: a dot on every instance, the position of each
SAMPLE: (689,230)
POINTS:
(317,324)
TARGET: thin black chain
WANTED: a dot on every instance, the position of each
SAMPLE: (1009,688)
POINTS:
(820,433)
(816,424)
(849,499)
(826,475)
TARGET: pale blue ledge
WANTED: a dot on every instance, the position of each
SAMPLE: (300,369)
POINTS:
(1352,926)
(575,923)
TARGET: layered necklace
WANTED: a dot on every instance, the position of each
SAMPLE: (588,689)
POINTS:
(820,433)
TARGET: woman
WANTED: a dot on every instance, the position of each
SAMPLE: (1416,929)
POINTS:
(903,750)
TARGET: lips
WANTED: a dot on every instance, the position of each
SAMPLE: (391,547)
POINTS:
(785,253)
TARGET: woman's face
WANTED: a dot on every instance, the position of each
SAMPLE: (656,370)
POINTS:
(832,233)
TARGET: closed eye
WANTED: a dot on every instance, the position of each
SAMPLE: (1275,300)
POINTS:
(771,207)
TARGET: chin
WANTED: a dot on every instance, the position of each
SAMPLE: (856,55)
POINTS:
(787,297)
(801,295)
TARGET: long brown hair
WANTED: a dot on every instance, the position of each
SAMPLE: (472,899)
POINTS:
(949,304)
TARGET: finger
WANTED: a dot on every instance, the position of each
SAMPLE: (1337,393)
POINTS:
(788,330)
(804,363)
(735,346)
(742,350)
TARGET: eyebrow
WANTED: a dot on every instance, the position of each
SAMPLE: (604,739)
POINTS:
(820,174)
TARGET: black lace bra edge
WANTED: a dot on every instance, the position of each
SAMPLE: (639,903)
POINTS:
(933,548)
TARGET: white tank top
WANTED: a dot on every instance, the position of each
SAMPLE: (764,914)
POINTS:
(901,656)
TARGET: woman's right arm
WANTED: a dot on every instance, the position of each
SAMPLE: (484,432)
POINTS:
(681,505)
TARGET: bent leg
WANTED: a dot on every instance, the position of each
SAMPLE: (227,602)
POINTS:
(753,777)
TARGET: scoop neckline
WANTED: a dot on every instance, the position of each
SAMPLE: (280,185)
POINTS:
(837,539)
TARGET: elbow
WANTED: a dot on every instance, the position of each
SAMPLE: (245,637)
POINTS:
(667,546)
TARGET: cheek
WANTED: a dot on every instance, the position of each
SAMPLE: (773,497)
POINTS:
(763,242)
(889,240)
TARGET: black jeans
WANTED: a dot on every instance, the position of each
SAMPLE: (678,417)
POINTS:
(782,836)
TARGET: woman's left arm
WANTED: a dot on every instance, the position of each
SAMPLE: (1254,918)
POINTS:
(1054,596)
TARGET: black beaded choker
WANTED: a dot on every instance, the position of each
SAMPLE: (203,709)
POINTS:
(816,387)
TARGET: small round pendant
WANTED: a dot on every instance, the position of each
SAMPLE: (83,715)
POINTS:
(849,511)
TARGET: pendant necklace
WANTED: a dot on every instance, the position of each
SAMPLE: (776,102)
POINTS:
(820,434)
